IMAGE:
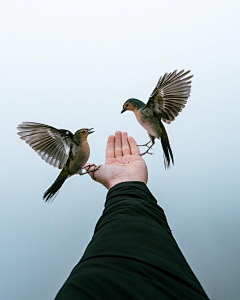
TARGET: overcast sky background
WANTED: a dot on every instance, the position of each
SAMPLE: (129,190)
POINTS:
(72,65)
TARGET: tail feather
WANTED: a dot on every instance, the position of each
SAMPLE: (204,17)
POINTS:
(167,151)
(55,187)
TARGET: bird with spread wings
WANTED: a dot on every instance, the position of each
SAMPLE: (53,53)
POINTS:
(60,148)
(167,100)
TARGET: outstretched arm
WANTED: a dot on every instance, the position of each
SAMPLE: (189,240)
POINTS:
(123,162)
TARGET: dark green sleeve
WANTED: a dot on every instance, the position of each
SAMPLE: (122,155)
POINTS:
(132,254)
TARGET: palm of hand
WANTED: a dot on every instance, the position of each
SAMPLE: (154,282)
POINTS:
(126,168)
(125,160)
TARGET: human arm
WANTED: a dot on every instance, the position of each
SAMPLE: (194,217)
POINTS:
(132,254)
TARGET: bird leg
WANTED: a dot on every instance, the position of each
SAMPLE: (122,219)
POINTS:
(92,171)
(149,147)
(88,167)
(144,144)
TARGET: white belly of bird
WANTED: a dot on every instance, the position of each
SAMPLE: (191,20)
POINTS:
(147,127)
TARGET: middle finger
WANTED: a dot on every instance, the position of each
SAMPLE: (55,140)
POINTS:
(118,144)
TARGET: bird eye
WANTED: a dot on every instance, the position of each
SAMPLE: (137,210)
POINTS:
(83,131)
(67,132)
(126,105)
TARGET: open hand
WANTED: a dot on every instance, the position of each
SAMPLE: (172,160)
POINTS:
(123,162)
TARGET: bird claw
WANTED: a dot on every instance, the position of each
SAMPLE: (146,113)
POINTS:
(92,171)
(145,145)
(148,148)
(89,166)
(146,152)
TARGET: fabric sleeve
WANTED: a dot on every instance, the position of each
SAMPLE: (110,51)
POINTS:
(132,254)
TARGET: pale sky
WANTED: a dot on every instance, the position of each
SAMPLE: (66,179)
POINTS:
(72,65)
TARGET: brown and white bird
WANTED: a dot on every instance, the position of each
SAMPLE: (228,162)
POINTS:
(165,103)
(58,147)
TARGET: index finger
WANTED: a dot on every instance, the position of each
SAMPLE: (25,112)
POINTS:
(110,147)
(133,146)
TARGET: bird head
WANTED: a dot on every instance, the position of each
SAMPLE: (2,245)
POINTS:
(82,134)
(132,104)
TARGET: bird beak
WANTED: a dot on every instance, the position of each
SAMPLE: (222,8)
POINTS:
(90,131)
(123,110)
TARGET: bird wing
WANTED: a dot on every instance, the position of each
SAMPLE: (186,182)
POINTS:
(169,96)
(52,144)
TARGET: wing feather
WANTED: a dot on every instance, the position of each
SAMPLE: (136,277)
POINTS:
(169,96)
(51,144)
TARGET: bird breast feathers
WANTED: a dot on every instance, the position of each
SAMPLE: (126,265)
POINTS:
(149,123)
(82,151)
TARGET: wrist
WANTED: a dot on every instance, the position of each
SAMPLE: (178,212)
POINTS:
(116,181)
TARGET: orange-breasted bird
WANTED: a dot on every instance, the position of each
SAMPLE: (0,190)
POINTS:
(58,147)
(165,103)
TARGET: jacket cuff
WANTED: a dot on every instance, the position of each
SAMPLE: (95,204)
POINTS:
(128,189)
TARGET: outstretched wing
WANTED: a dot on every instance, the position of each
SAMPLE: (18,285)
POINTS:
(169,96)
(52,144)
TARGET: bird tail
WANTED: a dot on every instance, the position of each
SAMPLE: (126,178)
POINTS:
(167,151)
(55,187)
